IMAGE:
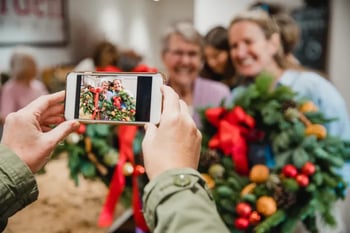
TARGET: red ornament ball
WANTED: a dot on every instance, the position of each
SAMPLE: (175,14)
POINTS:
(308,169)
(302,180)
(290,170)
(241,223)
(243,209)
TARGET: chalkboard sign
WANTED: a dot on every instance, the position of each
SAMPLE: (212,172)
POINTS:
(312,48)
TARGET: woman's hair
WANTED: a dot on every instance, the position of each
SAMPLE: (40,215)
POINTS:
(128,60)
(20,61)
(217,37)
(185,30)
(269,26)
(103,47)
(289,29)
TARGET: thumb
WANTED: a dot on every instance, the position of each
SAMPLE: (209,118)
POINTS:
(62,130)
(150,131)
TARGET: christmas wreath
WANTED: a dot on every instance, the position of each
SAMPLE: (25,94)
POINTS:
(269,161)
(121,107)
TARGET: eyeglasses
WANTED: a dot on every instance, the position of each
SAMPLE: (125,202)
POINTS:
(180,53)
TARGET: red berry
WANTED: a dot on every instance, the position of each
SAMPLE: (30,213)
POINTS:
(308,169)
(241,223)
(243,209)
(81,129)
(289,170)
(302,180)
(254,218)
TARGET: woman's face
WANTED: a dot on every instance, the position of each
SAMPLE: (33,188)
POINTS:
(117,85)
(182,61)
(251,52)
(216,59)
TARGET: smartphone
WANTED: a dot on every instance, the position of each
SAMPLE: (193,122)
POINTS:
(114,98)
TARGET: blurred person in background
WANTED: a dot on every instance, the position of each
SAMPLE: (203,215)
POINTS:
(217,62)
(104,58)
(23,85)
(182,55)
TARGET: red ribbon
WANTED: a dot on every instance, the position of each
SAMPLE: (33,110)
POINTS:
(126,138)
(117,102)
(233,128)
(143,68)
(96,110)
(109,68)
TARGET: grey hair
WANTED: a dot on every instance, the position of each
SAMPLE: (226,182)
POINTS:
(185,30)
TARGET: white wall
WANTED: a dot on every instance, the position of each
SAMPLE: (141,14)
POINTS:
(208,13)
(134,24)
(339,59)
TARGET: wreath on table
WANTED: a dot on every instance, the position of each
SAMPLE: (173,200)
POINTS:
(269,161)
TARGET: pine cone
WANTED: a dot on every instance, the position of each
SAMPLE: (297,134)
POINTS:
(208,158)
(288,104)
(283,198)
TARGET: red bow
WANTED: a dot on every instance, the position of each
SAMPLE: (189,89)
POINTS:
(233,128)
(126,137)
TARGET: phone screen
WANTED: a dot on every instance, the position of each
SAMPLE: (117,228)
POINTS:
(114,97)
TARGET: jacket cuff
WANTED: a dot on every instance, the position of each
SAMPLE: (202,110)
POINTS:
(165,185)
(18,187)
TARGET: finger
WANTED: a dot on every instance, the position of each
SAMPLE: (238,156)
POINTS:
(42,103)
(54,120)
(186,113)
(61,131)
(170,101)
(45,128)
(149,131)
(56,110)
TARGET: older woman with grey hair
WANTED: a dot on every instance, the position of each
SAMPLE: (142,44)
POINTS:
(182,55)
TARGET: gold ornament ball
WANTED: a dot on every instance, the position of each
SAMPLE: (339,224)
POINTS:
(73,138)
(259,173)
(266,206)
(216,171)
(128,169)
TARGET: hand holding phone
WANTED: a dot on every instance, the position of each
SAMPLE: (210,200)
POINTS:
(114,98)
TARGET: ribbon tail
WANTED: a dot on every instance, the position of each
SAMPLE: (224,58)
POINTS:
(115,190)
(95,105)
(137,206)
(239,157)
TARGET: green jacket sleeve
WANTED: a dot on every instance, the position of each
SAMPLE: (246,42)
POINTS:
(18,187)
(179,201)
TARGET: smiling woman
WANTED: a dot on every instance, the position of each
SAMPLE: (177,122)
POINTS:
(182,55)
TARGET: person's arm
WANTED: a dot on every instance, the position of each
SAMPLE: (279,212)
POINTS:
(18,187)
(27,142)
(176,199)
